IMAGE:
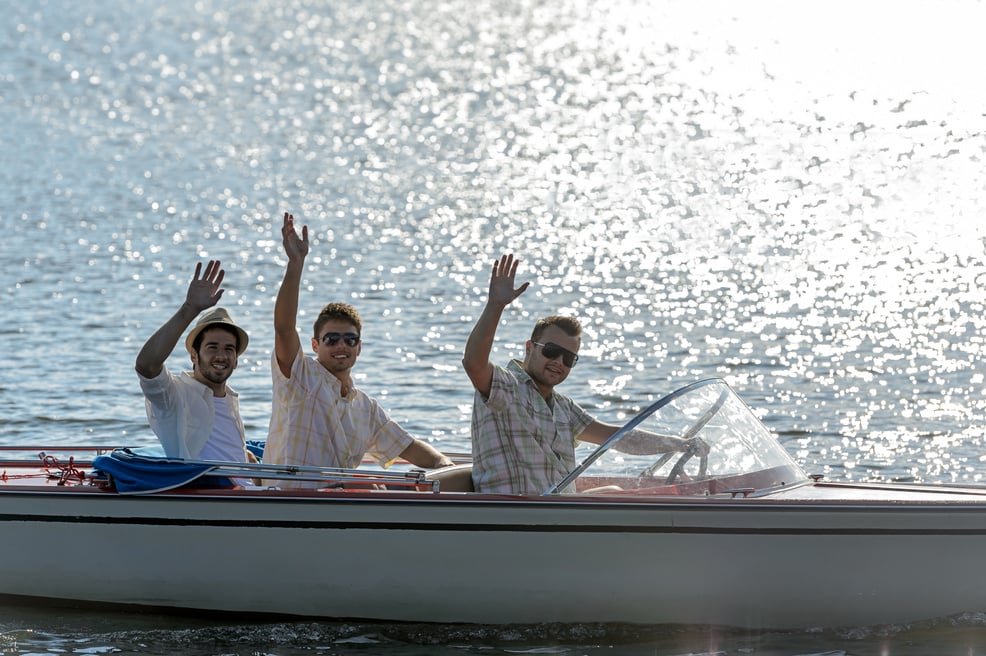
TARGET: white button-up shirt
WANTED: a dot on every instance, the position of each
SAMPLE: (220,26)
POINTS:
(182,414)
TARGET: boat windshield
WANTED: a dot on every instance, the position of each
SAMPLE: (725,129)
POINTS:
(743,458)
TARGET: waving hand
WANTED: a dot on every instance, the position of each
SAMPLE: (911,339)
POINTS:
(502,290)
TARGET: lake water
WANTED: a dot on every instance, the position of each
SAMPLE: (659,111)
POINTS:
(787,196)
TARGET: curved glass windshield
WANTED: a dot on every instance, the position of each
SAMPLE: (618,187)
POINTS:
(743,457)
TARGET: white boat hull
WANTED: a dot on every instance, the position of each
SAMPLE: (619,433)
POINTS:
(782,563)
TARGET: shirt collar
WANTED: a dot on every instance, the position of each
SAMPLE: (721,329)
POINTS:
(516,367)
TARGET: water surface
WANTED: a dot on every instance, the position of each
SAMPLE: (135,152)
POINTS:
(785,196)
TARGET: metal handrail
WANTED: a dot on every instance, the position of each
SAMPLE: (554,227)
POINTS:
(331,476)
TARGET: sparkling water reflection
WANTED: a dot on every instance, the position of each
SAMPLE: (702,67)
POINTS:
(782,197)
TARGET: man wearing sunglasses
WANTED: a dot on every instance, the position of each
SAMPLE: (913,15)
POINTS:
(523,431)
(319,417)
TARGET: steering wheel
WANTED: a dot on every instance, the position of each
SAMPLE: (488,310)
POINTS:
(703,465)
(657,465)
(679,467)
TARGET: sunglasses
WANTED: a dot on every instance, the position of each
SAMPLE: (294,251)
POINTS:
(552,351)
(331,339)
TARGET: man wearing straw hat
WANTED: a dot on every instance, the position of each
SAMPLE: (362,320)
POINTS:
(196,415)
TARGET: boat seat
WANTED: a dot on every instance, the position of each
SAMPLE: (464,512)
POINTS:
(454,478)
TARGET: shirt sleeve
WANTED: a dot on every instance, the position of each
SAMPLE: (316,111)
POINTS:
(503,387)
(160,390)
(389,439)
(579,418)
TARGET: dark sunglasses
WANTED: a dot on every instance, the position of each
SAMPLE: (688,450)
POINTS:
(331,339)
(552,351)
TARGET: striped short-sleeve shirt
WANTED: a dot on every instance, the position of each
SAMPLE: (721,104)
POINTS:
(312,424)
(521,443)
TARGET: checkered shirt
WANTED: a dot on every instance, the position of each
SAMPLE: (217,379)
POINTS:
(522,444)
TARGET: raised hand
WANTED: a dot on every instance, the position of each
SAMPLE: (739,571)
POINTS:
(204,290)
(295,247)
(502,290)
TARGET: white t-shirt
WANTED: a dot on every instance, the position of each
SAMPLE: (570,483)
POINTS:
(225,443)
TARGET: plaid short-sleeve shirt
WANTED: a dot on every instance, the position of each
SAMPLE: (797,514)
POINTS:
(312,424)
(522,444)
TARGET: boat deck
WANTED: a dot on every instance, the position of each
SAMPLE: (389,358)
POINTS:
(71,469)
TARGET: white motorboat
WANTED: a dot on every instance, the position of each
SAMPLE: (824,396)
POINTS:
(741,537)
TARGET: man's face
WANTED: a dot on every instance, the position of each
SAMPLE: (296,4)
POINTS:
(335,348)
(548,372)
(214,361)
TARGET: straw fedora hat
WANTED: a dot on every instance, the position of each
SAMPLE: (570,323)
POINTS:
(212,318)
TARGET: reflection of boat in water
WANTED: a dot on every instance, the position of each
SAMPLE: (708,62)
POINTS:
(742,537)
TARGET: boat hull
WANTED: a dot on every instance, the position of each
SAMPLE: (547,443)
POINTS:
(780,563)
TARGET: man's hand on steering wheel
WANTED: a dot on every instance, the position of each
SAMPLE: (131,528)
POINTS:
(696,445)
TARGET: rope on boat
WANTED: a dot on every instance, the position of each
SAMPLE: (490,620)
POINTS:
(66,472)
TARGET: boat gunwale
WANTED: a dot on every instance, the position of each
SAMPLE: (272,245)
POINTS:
(972,499)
